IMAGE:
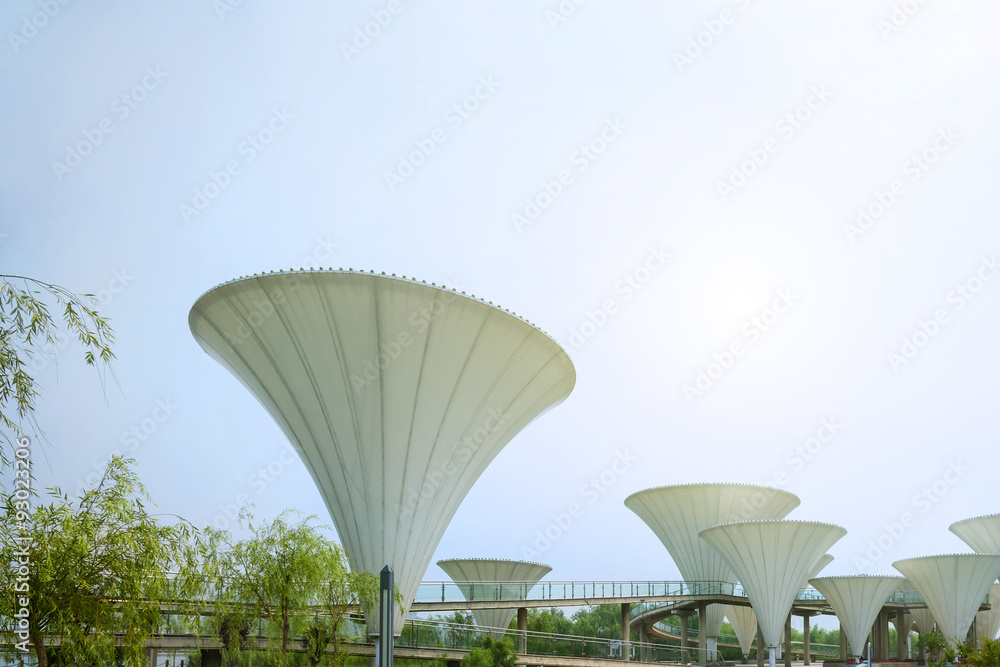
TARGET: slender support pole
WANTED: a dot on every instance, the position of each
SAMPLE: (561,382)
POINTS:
(702,636)
(771,650)
(805,640)
(626,630)
(383,649)
(522,630)
(684,638)
(788,640)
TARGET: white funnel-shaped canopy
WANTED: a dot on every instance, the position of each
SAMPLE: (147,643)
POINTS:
(857,601)
(923,618)
(953,587)
(744,623)
(465,570)
(988,622)
(773,560)
(982,533)
(677,514)
(823,561)
(397,395)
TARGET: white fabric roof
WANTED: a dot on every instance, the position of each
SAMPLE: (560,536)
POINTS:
(953,587)
(773,560)
(744,623)
(988,622)
(857,601)
(818,566)
(397,395)
(923,619)
(463,570)
(677,514)
(982,533)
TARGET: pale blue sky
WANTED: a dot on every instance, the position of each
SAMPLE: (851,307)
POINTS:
(183,86)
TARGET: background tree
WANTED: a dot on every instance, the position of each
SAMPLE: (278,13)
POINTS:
(491,652)
(28,329)
(96,567)
(281,575)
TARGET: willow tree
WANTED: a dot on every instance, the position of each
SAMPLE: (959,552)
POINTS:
(27,330)
(91,572)
(287,579)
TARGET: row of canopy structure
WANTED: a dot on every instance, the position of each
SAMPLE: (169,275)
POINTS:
(398,394)
(737,533)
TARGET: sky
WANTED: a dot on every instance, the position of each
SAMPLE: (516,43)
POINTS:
(763,231)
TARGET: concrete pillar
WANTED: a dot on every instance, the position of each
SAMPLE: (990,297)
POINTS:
(684,637)
(884,617)
(805,639)
(522,630)
(151,656)
(643,641)
(702,636)
(902,632)
(626,630)
(843,644)
(211,657)
(922,656)
(788,640)
(971,637)
(760,647)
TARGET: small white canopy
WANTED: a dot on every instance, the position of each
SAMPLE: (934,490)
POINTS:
(857,601)
(773,560)
(953,586)
(923,618)
(988,622)
(744,623)
(982,533)
(678,513)
(465,570)
(397,394)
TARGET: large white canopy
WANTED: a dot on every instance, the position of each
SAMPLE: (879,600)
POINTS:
(953,586)
(773,560)
(988,622)
(677,514)
(744,623)
(464,570)
(982,533)
(857,601)
(397,395)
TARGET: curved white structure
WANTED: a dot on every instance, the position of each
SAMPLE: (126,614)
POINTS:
(953,586)
(818,566)
(397,395)
(982,533)
(923,619)
(744,623)
(464,571)
(678,513)
(772,560)
(857,601)
(988,622)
